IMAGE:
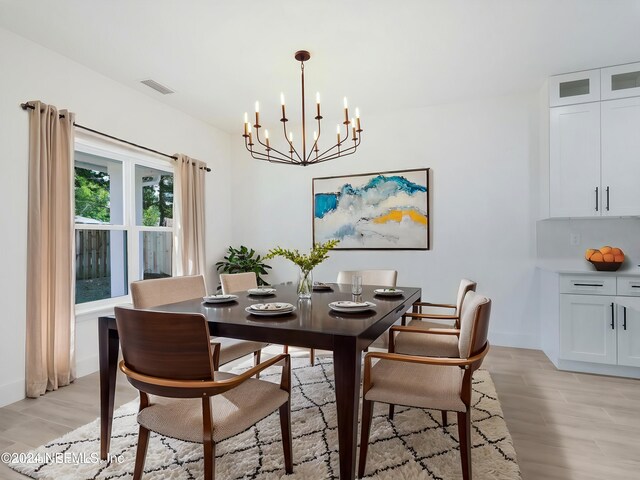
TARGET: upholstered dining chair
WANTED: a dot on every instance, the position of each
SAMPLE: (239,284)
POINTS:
(238,282)
(418,338)
(161,291)
(431,382)
(169,356)
(384,278)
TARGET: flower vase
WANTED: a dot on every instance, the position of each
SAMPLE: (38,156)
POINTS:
(305,283)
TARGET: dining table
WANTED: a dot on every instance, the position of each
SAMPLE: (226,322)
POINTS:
(313,324)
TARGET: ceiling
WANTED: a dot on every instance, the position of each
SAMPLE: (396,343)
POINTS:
(384,55)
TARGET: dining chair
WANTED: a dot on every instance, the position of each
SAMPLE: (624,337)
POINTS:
(169,356)
(238,282)
(384,278)
(418,338)
(431,382)
(162,291)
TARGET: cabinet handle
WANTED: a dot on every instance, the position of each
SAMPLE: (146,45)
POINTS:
(613,325)
(590,285)
(607,198)
(635,286)
(597,199)
(624,317)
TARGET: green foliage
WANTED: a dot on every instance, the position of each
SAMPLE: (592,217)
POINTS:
(240,260)
(92,194)
(317,255)
(157,202)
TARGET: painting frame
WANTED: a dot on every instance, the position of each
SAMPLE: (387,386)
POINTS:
(317,189)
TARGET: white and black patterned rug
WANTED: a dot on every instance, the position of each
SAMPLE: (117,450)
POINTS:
(412,446)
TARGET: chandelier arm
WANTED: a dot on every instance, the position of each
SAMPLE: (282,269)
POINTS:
(333,157)
(269,158)
(268,155)
(341,153)
(284,128)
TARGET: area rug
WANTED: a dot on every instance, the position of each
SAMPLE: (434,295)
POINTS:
(412,446)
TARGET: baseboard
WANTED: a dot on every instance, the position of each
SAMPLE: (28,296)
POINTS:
(87,366)
(11,392)
(516,340)
(598,368)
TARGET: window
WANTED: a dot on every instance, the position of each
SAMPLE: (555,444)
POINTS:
(123,221)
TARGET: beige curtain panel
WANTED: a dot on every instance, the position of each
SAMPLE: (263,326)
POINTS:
(189,238)
(50,347)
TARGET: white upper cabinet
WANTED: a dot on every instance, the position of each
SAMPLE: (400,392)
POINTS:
(620,81)
(621,157)
(572,88)
(575,161)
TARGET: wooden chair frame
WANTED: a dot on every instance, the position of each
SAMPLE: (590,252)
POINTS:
(469,365)
(206,389)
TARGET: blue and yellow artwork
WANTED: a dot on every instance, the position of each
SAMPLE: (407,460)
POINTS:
(387,210)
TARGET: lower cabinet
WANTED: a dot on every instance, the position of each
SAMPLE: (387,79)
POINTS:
(599,329)
(628,326)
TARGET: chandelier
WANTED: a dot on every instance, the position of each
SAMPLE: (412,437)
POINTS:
(347,142)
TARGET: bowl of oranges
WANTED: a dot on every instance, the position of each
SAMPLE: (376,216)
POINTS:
(605,259)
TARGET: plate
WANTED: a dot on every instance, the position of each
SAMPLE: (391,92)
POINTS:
(261,291)
(355,308)
(388,292)
(219,298)
(270,313)
(321,286)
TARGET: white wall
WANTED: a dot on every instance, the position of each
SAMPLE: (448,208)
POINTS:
(484,157)
(31,72)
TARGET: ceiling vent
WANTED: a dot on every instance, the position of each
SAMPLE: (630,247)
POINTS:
(158,87)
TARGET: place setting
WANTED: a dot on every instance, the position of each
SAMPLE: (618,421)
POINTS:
(348,306)
(261,291)
(322,287)
(273,309)
(219,298)
(388,292)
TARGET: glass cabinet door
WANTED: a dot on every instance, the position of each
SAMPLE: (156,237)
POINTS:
(573,88)
(620,81)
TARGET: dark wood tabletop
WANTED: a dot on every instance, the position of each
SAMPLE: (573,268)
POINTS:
(313,324)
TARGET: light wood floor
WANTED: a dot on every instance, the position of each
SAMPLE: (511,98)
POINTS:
(565,425)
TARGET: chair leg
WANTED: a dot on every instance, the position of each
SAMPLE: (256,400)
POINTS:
(391,411)
(367,415)
(285,349)
(256,360)
(208,445)
(312,356)
(444,418)
(464,432)
(287,445)
(141,453)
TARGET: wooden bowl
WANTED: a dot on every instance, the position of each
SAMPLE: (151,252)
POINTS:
(606,266)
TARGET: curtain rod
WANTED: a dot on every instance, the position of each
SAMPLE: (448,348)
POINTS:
(77,125)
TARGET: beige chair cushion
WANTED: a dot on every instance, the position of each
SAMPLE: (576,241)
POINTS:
(470,305)
(232,349)
(237,282)
(425,344)
(232,412)
(416,385)
(466,285)
(384,278)
(161,291)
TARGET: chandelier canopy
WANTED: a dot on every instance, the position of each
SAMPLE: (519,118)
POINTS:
(263,150)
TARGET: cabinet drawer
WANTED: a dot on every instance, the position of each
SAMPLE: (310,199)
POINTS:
(588,284)
(629,286)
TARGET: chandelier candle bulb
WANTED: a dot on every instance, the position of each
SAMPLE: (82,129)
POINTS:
(246,123)
(353,129)
(358,119)
(346,111)
(317,105)
(284,117)
(266,137)
(338,133)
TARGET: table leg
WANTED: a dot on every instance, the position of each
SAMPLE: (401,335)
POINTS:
(347,361)
(108,346)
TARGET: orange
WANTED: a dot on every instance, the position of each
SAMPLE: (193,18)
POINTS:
(606,249)
(608,257)
(596,257)
(616,251)
(618,258)
(588,253)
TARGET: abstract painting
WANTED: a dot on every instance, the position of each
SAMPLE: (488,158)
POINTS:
(380,211)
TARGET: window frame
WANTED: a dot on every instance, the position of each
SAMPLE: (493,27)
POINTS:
(130,158)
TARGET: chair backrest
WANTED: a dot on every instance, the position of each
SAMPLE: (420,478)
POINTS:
(164,344)
(474,324)
(238,282)
(466,285)
(384,278)
(160,291)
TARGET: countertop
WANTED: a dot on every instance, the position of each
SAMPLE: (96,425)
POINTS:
(582,267)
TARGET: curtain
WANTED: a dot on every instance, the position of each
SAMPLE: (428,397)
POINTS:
(189,238)
(50,342)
